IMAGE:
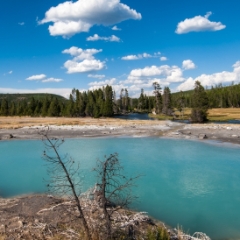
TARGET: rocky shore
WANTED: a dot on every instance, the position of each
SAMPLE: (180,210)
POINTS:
(42,217)
(229,133)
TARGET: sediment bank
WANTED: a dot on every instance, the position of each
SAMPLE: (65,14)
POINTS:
(28,128)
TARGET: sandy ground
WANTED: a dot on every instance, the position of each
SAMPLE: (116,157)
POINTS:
(28,128)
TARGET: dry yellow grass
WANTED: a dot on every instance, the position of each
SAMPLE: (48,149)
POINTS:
(214,114)
(223,114)
(18,122)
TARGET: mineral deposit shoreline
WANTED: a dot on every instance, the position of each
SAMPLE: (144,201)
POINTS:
(92,128)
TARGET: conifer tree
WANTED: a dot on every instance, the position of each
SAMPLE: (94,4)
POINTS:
(45,106)
(90,104)
(12,109)
(4,107)
(167,102)
(158,97)
(199,104)
(70,106)
(31,107)
(108,106)
(54,108)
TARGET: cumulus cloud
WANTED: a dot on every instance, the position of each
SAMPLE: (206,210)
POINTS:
(130,57)
(21,23)
(198,24)
(96,76)
(188,64)
(43,78)
(83,60)
(213,79)
(96,37)
(165,75)
(36,77)
(140,56)
(69,18)
(168,73)
(87,65)
(115,28)
(96,84)
(52,80)
(143,78)
(163,59)
(65,92)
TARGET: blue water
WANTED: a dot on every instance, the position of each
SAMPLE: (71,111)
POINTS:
(193,184)
(134,116)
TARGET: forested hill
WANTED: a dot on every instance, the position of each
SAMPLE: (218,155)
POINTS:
(218,96)
(103,102)
(16,97)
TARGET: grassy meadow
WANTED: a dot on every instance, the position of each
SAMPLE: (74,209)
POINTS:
(214,114)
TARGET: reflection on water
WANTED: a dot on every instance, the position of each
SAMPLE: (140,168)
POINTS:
(134,116)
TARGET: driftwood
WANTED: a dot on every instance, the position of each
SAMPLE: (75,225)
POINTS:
(43,217)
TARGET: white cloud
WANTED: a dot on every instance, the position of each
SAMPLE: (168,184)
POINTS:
(96,76)
(70,17)
(188,64)
(21,23)
(81,54)
(115,28)
(198,24)
(145,77)
(43,78)
(96,84)
(65,92)
(130,57)
(140,56)
(168,73)
(52,80)
(87,65)
(83,60)
(163,59)
(36,77)
(96,37)
(213,79)
(10,72)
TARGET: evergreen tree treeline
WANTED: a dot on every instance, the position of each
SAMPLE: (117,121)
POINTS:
(103,102)
(218,96)
(94,103)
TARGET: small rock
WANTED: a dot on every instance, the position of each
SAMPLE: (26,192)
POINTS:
(235,136)
(15,225)
(202,136)
(229,128)
(2,229)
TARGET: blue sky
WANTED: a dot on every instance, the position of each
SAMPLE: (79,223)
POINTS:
(54,46)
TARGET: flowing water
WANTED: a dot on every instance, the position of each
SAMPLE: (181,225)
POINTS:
(188,183)
(134,116)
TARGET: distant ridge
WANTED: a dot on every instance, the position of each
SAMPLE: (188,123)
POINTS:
(16,97)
